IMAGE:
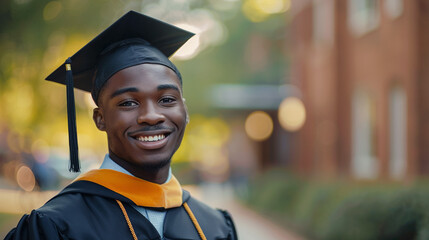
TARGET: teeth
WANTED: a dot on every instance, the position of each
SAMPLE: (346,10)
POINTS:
(151,138)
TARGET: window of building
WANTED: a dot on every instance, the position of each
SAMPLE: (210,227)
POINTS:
(393,8)
(323,22)
(364,162)
(398,132)
(363,15)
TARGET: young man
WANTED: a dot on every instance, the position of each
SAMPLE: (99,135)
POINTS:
(133,195)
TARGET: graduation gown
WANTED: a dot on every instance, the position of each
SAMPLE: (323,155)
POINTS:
(88,209)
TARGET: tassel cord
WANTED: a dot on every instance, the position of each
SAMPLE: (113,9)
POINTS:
(71,117)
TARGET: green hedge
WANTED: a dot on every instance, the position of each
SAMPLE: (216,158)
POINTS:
(343,210)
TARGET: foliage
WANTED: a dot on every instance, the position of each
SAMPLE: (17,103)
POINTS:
(347,210)
(267,192)
(36,37)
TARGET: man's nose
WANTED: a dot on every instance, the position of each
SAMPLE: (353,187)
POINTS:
(150,114)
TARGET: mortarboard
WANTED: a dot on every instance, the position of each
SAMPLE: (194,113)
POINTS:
(131,40)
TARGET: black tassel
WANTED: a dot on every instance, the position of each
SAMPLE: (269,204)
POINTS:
(71,117)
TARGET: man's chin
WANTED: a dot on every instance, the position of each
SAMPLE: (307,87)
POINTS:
(156,165)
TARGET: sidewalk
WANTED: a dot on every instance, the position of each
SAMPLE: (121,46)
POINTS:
(250,225)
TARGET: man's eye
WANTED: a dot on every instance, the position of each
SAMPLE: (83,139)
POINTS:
(128,104)
(167,100)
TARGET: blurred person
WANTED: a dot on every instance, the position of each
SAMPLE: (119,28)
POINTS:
(140,106)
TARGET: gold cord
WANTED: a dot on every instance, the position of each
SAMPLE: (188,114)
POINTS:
(127,219)
(185,205)
(194,221)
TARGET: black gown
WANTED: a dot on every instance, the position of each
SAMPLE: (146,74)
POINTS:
(88,210)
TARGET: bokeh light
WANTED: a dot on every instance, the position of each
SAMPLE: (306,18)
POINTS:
(190,48)
(292,114)
(52,10)
(259,125)
(25,178)
(259,10)
(40,150)
(13,100)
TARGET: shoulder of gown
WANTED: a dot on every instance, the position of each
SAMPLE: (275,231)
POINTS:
(215,223)
(73,212)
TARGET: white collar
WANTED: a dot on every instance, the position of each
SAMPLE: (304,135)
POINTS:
(108,163)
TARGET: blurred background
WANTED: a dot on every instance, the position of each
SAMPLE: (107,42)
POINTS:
(309,118)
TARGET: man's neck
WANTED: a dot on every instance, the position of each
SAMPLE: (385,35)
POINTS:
(155,175)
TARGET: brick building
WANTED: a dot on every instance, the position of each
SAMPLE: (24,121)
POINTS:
(363,69)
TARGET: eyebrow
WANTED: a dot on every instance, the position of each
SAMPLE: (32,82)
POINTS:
(168,86)
(133,89)
(123,90)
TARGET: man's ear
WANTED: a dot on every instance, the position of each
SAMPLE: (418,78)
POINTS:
(187,119)
(97,116)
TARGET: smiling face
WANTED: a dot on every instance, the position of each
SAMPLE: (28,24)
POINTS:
(142,111)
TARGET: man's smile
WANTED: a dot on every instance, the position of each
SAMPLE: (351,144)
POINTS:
(151,133)
(151,138)
(149,142)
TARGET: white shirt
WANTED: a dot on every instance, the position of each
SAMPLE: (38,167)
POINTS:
(155,217)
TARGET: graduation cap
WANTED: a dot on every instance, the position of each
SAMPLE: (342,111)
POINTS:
(132,40)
